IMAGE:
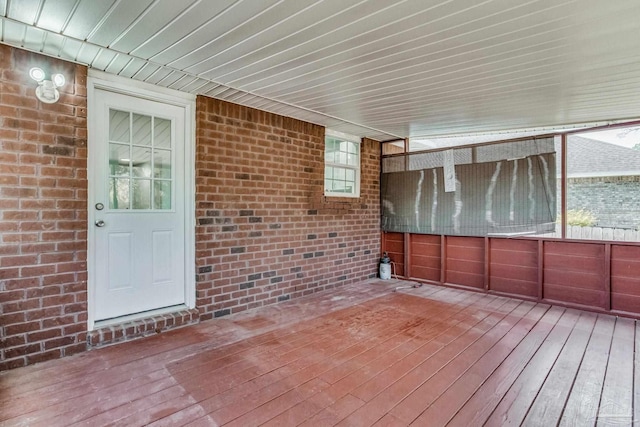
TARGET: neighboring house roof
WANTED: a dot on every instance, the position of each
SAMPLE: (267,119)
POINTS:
(589,157)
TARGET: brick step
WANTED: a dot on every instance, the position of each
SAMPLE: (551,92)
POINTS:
(138,328)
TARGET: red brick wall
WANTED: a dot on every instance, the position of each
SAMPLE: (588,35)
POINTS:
(43,197)
(264,231)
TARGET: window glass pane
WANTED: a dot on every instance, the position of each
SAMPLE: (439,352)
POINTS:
(351,175)
(119,193)
(162,133)
(162,164)
(330,157)
(603,185)
(162,194)
(342,187)
(353,148)
(329,150)
(141,129)
(119,160)
(341,180)
(328,172)
(342,158)
(141,162)
(118,126)
(141,194)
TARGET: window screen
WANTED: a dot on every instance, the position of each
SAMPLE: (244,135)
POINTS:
(500,189)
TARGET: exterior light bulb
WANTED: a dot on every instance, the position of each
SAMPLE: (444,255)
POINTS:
(36,74)
(58,80)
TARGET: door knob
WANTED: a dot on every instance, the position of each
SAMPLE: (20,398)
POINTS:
(100,223)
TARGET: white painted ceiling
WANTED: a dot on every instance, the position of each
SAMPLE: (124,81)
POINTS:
(378,68)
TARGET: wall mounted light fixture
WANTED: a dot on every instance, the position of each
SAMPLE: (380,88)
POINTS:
(47,90)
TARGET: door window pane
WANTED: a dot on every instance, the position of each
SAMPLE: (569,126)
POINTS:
(162,133)
(140,154)
(119,193)
(118,126)
(141,190)
(119,159)
(162,195)
(162,164)
(141,129)
(141,162)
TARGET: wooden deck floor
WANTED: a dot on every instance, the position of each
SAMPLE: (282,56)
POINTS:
(358,356)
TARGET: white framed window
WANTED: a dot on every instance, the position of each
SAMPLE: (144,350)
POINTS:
(341,165)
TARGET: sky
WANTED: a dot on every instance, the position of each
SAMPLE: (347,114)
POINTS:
(616,136)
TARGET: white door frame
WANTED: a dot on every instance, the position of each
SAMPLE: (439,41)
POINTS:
(98,80)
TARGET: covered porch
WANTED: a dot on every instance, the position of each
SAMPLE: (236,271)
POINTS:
(361,354)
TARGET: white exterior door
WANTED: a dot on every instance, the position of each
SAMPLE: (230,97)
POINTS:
(137,206)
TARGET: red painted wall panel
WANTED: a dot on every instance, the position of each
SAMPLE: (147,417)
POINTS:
(426,245)
(465,279)
(574,272)
(573,262)
(568,294)
(465,248)
(514,266)
(465,261)
(567,272)
(626,303)
(425,257)
(625,278)
(574,279)
(578,249)
(514,287)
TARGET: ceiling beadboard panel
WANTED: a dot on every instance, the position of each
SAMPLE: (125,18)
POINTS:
(84,18)
(183,25)
(236,43)
(383,69)
(232,25)
(116,21)
(147,25)
(53,16)
(24,10)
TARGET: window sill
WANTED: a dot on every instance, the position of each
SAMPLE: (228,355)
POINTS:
(336,204)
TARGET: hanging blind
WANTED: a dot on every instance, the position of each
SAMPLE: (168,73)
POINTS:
(500,189)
